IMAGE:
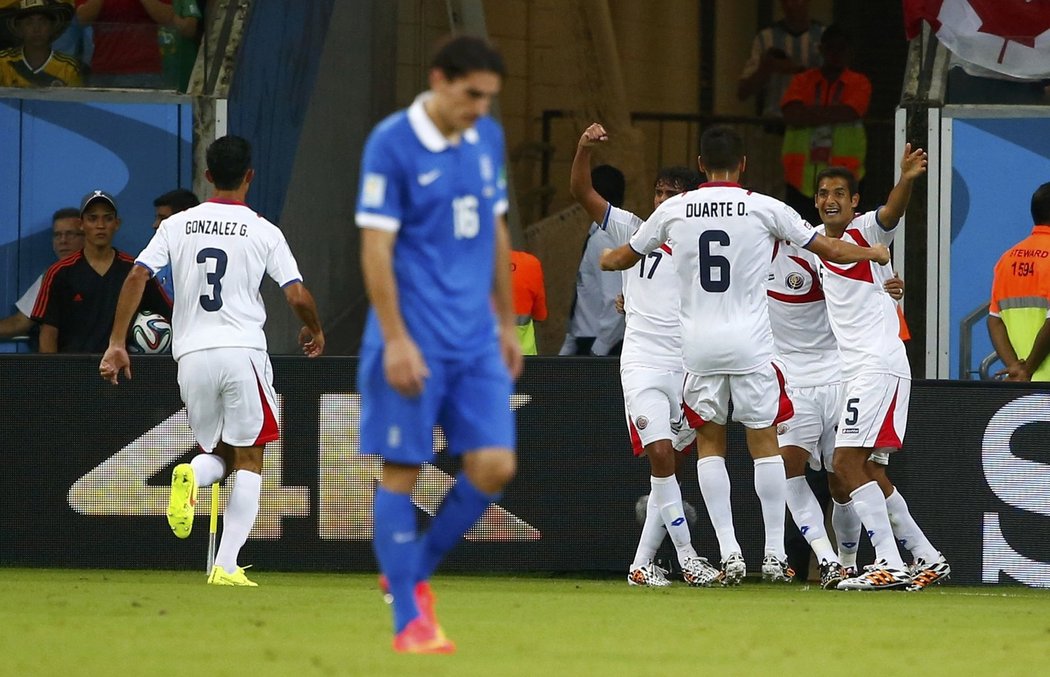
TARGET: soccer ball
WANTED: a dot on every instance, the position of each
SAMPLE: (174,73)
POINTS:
(150,334)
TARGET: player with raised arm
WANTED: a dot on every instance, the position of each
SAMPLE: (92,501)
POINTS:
(219,252)
(723,238)
(876,374)
(440,344)
(650,367)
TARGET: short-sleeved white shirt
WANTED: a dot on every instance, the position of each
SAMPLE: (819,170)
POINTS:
(862,314)
(806,349)
(219,252)
(722,237)
(650,289)
(28,300)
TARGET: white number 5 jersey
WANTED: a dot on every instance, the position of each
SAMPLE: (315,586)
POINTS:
(722,237)
(219,252)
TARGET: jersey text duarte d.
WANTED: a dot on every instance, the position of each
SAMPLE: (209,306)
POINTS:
(219,252)
(806,349)
(722,237)
(653,337)
(862,314)
(445,198)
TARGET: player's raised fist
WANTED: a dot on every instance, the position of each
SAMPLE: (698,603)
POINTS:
(593,135)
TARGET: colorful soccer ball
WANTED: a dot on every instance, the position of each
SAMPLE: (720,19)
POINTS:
(150,334)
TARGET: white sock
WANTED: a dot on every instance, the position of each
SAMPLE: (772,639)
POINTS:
(809,518)
(846,523)
(907,531)
(207,469)
(668,497)
(870,505)
(652,537)
(771,487)
(714,487)
(239,518)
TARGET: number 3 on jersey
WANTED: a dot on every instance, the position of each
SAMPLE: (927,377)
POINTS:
(213,301)
(714,269)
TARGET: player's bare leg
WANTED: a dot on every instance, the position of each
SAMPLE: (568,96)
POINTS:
(808,517)
(245,464)
(714,487)
(771,487)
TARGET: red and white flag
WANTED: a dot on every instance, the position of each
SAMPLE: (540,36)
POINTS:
(1011,37)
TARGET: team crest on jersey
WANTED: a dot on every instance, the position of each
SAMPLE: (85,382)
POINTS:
(795,281)
(783,428)
(641,423)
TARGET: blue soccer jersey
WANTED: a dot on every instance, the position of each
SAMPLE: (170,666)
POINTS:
(442,200)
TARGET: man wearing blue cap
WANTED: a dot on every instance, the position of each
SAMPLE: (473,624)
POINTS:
(78,296)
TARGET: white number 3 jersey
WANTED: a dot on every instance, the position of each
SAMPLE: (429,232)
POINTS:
(219,252)
(722,237)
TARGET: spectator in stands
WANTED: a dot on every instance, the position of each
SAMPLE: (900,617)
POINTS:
(778,52)
(595,328)
(823,110)
(66,239)
(78,297)
(127,50)
(530,297)
(178,43)
(172,202)
(36,24)
(1019,313)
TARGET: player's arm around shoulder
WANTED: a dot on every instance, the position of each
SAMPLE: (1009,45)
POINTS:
(838,251)
(650,235)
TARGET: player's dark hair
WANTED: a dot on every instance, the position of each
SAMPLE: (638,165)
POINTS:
(179,200)
(464,54)
(229,159)
(1041,205)
(721,148)
(65,213)
(608,182)
(835,37)
(838,173)
(680,177)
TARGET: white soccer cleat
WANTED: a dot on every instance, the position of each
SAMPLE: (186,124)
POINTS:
(697,571)
(925,574)
(776,570)
(733,569)
(878,576)
(649,575)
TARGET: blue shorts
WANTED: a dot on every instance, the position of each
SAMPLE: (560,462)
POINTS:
(468,397)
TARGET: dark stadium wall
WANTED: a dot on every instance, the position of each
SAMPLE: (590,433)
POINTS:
(83,494)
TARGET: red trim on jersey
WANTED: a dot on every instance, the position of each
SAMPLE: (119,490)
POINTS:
(45,287)
(269,431)
(887,433)
(692,418)
(720,184)
(636,439)
(665,248)
(858,271)
(776,248)
(815,293)
(785,409)
(225,201)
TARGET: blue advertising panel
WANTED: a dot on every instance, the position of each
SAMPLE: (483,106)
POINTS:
(64,149)
(997,163)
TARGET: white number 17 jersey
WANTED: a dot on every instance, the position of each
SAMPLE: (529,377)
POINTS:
(219,252)
(722,237)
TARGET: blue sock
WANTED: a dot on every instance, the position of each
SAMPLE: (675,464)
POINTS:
(396,544)
(462,507)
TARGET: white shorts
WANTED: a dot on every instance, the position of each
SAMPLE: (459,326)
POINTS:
(229,396)
(874,412)
(652,400)
(759,398)
(812,428)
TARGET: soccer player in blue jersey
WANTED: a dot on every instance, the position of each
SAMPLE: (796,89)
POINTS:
(440,344)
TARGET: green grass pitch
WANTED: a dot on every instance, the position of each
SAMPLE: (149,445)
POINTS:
(129,623)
